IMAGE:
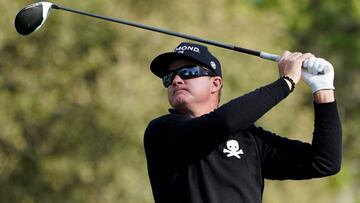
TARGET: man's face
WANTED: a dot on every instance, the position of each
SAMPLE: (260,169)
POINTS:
(187,93)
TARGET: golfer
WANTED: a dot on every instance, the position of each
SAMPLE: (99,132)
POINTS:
(205,153)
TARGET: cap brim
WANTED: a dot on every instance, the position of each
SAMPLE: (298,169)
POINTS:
(160,65)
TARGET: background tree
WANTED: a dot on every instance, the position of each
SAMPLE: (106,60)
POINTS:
(76,96)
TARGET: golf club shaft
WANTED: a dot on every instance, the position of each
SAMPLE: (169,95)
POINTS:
(263,55)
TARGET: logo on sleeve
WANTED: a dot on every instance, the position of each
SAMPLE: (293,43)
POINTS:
(233,149)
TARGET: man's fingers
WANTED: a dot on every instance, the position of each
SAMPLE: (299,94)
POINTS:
(309,63)
(322,64)
(308,55)
(307,59)
(320,68)
(316,65)
(306,63)
(328,67)
(296,56)
(285,55)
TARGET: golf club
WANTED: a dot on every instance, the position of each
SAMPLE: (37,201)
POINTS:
(32,17)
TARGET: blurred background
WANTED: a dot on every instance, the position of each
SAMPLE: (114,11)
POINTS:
(77,95)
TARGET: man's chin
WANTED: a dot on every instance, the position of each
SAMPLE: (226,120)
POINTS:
(179,102)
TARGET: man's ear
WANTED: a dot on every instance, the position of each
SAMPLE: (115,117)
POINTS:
(216,84)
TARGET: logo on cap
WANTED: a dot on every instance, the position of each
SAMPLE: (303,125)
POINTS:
(181,49)
(213,65)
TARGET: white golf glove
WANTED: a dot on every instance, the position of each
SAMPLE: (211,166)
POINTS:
(318,74)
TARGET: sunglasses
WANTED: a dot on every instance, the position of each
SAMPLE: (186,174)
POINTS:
(187,72)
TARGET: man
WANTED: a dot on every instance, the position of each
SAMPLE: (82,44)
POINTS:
(201,152)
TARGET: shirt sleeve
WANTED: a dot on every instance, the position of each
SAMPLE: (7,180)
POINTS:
(291,159)
(178,137)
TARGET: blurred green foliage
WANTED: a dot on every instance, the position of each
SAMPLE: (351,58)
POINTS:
(76,96)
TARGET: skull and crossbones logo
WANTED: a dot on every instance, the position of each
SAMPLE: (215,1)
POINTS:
(233,149)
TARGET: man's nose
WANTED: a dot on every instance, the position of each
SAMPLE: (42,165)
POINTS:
(177,80)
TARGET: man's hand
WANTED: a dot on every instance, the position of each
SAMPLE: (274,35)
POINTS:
(319,74)
(290,65)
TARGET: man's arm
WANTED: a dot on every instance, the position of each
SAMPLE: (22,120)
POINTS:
(324,96)
(286,159)
(290,159)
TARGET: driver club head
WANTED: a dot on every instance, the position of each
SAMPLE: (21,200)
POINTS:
(32,17)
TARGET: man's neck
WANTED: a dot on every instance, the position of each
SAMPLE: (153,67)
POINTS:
(197,111)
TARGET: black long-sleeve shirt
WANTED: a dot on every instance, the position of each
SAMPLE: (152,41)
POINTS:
(222,157)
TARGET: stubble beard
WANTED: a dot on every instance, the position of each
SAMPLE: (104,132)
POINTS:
(179,101)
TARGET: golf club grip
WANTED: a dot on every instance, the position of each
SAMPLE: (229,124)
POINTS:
(268,56)
(277,58)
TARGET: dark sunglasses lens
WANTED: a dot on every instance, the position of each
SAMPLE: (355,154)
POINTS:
(187,73)
(167,79)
